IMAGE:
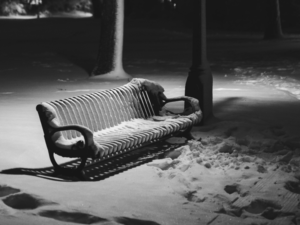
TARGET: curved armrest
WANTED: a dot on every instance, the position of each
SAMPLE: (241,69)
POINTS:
(87,133)
(193,103)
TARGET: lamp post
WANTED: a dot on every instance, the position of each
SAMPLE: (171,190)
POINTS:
(199,81)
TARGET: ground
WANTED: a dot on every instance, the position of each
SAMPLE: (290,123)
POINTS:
(245,169)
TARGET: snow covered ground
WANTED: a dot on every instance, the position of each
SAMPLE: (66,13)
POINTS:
(245,169)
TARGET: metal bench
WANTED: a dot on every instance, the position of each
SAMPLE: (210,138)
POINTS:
(105,124)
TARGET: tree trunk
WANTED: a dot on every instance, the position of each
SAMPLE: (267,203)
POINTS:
(109,63)
(200,82)
(97,4)
(272,23)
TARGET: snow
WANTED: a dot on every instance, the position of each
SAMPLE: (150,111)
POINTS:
(284,79)
(244,170)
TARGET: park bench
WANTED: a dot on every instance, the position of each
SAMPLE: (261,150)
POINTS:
(105,124)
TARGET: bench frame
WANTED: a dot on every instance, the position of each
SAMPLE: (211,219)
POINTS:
(83,150)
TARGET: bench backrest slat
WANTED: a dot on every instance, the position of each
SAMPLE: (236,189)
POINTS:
(103,122)
(76,116)
(131,103)
(62,115)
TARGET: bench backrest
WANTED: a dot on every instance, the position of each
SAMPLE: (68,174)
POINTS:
(99,110)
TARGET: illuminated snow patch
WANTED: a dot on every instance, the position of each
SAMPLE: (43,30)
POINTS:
(227,89)
(283,83)
(19,17)
(66,80)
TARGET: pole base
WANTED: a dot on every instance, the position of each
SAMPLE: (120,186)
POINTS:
(119,75)
(199,85)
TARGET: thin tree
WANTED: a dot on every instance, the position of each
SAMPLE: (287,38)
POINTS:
(272,21)
(97,5)
(109,63)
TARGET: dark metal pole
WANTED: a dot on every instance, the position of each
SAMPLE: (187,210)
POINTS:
(199,82)
(38,9)
(272,19)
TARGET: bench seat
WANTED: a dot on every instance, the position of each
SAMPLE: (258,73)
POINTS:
(137,132)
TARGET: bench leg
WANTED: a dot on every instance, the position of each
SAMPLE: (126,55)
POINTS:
(76,170)
(189,136)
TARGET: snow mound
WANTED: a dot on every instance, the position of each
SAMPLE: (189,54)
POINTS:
(230,157)
(285,83)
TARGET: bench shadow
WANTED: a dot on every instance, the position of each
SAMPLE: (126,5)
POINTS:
(96,170)
(133,221)
(218,106)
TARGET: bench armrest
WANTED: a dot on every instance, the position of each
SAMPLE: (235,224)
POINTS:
(86,133)
(193,104)
(78,149)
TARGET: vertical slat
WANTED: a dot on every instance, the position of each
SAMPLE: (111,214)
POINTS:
(139,105)
(62,118)
(118,104)
(149,103)
(105,114)
(146,102)
(111,108)
(76,109)
(105,109)
(101,113)
(126,113)
(71,115)
(126,101)
(128,95)
(87,112)
(91,111)
(81,111)
(115,108)
(65,121)
(144,106)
